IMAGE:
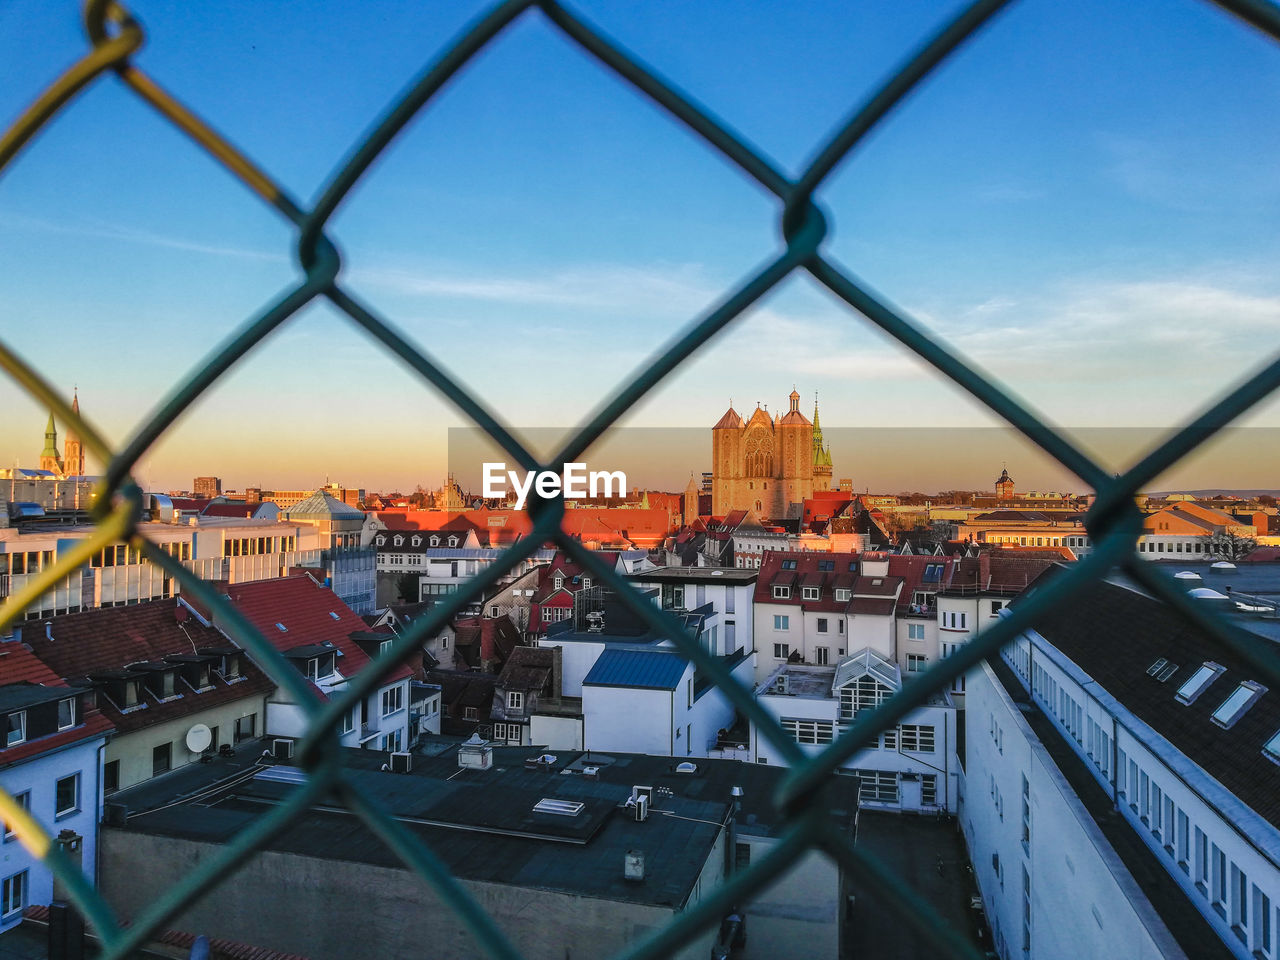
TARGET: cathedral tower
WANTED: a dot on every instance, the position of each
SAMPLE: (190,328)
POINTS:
(765,464)
(73,449)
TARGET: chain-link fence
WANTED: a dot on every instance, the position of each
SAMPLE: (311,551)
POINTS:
(1114,521)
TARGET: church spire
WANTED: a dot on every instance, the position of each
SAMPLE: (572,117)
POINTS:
(49,455)
(72,448)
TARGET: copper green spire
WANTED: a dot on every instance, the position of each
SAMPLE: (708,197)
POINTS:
(50,440)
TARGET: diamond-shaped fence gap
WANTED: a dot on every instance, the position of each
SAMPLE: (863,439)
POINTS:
(314,427)
(562,273)
(1090,312)
(833,58)
(306,65)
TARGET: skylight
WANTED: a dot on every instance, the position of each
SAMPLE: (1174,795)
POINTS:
(1271,749)
(1234,706)
(563,808)
(1156,667)
(282,628)
(1167,672)
(334,615)
(1198,682)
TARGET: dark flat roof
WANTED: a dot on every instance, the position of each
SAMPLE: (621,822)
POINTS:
(733,575)
(482,825)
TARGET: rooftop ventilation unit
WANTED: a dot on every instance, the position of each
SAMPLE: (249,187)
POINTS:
(401,761)
(686,767)
(591,772)
(281,749)
(782,684)
(641,808)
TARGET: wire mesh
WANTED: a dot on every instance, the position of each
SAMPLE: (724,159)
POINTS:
(1113,522)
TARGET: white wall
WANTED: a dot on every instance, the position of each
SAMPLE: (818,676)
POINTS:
(1084,903)
(630,720)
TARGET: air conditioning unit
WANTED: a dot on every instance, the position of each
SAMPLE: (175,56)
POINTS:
(282,749)
(642,808)
(782,684)
(401,761)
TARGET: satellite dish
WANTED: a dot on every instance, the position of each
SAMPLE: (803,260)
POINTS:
(198,738)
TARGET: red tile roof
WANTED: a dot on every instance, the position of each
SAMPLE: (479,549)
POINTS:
(79,645)
(18,665)
(310,614)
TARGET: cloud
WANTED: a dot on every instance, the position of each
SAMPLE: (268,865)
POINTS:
(112,231)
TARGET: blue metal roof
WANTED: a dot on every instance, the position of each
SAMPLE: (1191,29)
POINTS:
(648,669)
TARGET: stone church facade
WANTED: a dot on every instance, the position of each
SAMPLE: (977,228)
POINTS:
(767,464)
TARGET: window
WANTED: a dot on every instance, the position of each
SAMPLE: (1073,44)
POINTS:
(842,594)
(392,742)
(915,631)
(111,776)
(781,621)
(13,895)
(781,651)
(864,693)
(66,713)
(17,727)
(1026,815)
(392,700)
(348,722)
(383,647)
(161,758)
(915,662)
(821,656)
(24,801)
(245,727)
(67,795)
(822,624)
(916,738)
(1198,682)
(1202,862)
(809,731)
(1241,699)
(741,856)
(809,593)
(559,583)
(1218,864)
(878,785)
(470,713)
(515,700)
(788,564)
(781,593)
(996,607)
(1261,923)
(586,583)
(1184,841)
(1239,901)
(320,667)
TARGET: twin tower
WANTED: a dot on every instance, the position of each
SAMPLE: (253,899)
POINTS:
(768,464)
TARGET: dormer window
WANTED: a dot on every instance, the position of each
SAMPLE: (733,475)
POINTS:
(781,593)
(399,540)
(586,583)
(383,647)
(17,728)
(559,583)
(416,541)
(453,541)
(320,667)
(230,667)
(1199,682)
(1234,707)
(809,593)
(132,693)
(381,541)
(435,541)
(67,713)
(841,594)
(1271,749)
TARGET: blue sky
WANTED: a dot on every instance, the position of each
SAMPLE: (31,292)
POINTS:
(1083,200)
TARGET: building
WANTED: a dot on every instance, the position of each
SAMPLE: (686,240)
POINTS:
(1141,753)
(638,693)
(766,464)
(910,767)
(350,568)
(571,855)
(49,763)
(208,487)
(173,688)
(319,634)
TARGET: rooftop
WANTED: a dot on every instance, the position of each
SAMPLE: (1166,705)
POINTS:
(483,826)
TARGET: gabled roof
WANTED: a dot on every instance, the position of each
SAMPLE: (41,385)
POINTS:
(81,645)
(643,669)
(865,662)
(486,639)
(528,668)
(309,613)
